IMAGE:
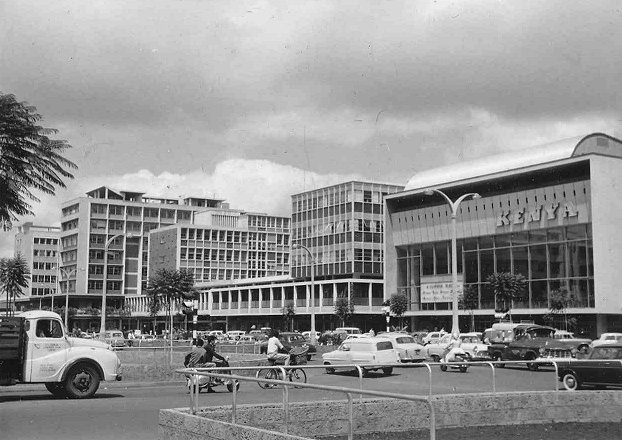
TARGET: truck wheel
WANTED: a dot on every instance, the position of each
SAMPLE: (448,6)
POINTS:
(57,389)
(82,382)
(387,371)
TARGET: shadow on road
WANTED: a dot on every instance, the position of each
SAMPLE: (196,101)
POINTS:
(32,397)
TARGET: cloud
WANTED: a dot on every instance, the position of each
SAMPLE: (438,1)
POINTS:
(251,185)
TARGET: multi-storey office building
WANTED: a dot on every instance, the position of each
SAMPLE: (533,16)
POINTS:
(39,246)
(551,213)
(342,227)
(104,244)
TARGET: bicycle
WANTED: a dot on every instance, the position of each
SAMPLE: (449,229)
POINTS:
(298,356)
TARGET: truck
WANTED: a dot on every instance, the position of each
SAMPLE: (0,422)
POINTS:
(526,342)
(35,348)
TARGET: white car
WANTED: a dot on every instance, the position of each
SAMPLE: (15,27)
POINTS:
(473,346)
(307,335)
(607,338)
(407,348)
(434,337)
(363,351)
(234,335)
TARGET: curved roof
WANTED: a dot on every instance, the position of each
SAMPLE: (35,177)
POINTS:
(598,143)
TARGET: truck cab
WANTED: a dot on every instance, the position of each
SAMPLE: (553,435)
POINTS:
(35,348)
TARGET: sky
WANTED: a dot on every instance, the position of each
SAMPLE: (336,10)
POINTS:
(252,101)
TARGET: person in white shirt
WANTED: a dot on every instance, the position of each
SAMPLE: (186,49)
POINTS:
(274,345)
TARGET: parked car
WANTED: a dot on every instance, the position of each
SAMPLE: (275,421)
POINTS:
(247,339)
(607,338)
(114,338)
(582,345)
(363,351)
(473,346)
(407,348)
(234,335)
(349,330)
(434,337)
(602,368)
(289,341)
(307,335)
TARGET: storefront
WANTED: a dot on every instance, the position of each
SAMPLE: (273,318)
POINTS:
(550,213)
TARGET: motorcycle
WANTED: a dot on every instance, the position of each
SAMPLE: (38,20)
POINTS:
(205,382)
(459,356)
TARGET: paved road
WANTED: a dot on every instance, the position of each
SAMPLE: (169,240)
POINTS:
(130,411)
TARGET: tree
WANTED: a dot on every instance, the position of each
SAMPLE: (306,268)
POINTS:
(469,301)
(560,300)
(398,304)
(506,287)
(168,289)
(14,276)
(29,160)
(288,312)
(344,309)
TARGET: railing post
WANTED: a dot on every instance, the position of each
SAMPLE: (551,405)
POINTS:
(286,408)
(429,377)
(432,421)
(350,417)
(556,379)
(494,380)
(360,370)
(234,403)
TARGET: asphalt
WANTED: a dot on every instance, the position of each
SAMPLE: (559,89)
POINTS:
(20,388)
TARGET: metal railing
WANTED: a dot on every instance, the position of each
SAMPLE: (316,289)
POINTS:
(194,395)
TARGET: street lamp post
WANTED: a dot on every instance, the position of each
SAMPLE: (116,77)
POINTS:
(102,325)
(454,252)
(66,274)
(312,303)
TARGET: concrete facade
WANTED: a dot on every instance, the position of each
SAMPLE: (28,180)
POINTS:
(550,213)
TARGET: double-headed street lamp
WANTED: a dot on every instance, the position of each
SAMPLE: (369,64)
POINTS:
(66,274)
(312,303)
(454,251)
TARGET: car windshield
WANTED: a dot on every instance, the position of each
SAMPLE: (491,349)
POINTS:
(294,338)
(470,339)
(405,340)
(611,338)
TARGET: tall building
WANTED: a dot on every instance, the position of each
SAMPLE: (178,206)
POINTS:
(342,227)
(550,213)
(39,246)
(104,245)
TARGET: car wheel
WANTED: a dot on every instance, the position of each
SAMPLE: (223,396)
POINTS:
(443,367)
(330,370)
(387,371)
(497,357)
(463,369)
(583,349)
(82,382)
(56,389)
(232,384)
(308,358)
(571,382)
(532,366)
(435,358)
(364,372)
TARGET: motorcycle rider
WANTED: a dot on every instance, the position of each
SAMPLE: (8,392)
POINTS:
(203,354)
(454,348)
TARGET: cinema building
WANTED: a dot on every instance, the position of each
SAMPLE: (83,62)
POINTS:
(552,213)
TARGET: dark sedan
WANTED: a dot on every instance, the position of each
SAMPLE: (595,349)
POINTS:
(602,368)
(289,341)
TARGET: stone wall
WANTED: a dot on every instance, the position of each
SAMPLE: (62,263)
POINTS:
(330,418)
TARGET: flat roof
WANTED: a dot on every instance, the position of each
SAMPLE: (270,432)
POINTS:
(595,143)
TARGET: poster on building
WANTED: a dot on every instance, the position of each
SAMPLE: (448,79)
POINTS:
(438,292)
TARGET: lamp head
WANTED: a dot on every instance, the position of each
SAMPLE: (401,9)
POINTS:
(476,196)
(295,246)
(428,192)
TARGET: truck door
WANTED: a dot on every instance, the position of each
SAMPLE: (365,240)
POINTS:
(47,350)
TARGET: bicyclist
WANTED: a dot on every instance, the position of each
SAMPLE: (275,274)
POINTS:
(274,345)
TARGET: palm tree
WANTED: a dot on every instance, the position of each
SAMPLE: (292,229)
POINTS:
(167,289)
(14,276)
(29,160)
